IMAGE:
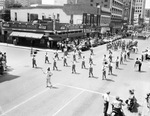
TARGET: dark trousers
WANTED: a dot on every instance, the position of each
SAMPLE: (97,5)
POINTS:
(83,64)
(140,67)
(106,104)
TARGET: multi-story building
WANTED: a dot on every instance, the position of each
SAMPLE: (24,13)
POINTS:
(139,11)
(23,2)
(147,16)
(128,14)
(2,4)
(116,15)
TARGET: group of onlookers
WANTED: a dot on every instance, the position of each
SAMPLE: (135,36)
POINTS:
(3,62)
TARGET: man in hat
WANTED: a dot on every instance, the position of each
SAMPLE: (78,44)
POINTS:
(106,102)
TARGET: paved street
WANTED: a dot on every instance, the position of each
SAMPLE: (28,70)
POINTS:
(24,93)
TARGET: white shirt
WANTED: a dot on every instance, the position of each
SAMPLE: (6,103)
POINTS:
(106,97)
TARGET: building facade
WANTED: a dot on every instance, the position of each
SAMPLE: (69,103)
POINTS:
(2,4)
(128,14)
(116,15)
(139,11)
(23,2)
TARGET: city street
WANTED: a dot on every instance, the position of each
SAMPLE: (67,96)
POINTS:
(23,89)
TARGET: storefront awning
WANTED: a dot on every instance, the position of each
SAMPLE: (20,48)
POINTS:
(28,35)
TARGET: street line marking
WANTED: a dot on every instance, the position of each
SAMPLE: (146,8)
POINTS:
(68,103)
(13,108)
(84,89)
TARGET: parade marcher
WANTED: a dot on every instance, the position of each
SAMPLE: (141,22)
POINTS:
(48,77)
(91,51)
(83,62)
(110,57)
(56,55)
(55,64)
(91,59)
(34,62)
(125,55)
(74,56)
(140,65)
(117,62)
(65,61)
(148,101)
(104,72)
(46,58)
(121,58)
(110,67)
(73,67)
(91,70)
(79,54)
(106,102)
(128,53)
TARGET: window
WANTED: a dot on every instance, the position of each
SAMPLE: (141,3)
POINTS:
(97,4)
(71,19)
(28,17)
(105,5)
(15,16)
(92,0)
(106,0)
(91,4)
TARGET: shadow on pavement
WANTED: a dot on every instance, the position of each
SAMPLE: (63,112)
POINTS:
(120,68)
(7,77)
(131,59)
(53,87)
(110,80)
(114,75)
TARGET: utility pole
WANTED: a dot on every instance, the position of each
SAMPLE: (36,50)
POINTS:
(130,18)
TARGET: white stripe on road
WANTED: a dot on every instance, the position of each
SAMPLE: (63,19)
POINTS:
(68,103)
(13,108)
(84,89)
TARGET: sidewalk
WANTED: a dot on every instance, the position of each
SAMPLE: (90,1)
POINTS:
(28,48)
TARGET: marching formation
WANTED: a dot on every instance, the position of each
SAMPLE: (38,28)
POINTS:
(110,62)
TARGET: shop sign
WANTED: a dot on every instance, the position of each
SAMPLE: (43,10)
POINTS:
(31,26)
(42,26)
(5,25)
(14,25)
(22,26)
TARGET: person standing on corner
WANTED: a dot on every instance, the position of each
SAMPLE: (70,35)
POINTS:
(106,102)
(83,63)
(91,70)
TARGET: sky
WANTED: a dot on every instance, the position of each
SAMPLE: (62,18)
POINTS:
(52,2)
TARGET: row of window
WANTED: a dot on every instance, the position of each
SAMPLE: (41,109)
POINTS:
(138,7)
(118,17)
(116,11)
(117,4)
(138,11)
(139,0)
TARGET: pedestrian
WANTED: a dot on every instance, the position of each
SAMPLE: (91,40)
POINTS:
(65,61)
(110,67)
(55,64)
(106,102)
(104,60)
(34,62)
(48,77)
(91,70)
(140,65)
(117,62)
(46,58)
(110,57)
(83,63)
(73,67)
(104,72)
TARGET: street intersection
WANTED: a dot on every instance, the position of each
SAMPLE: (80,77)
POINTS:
(24,93)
